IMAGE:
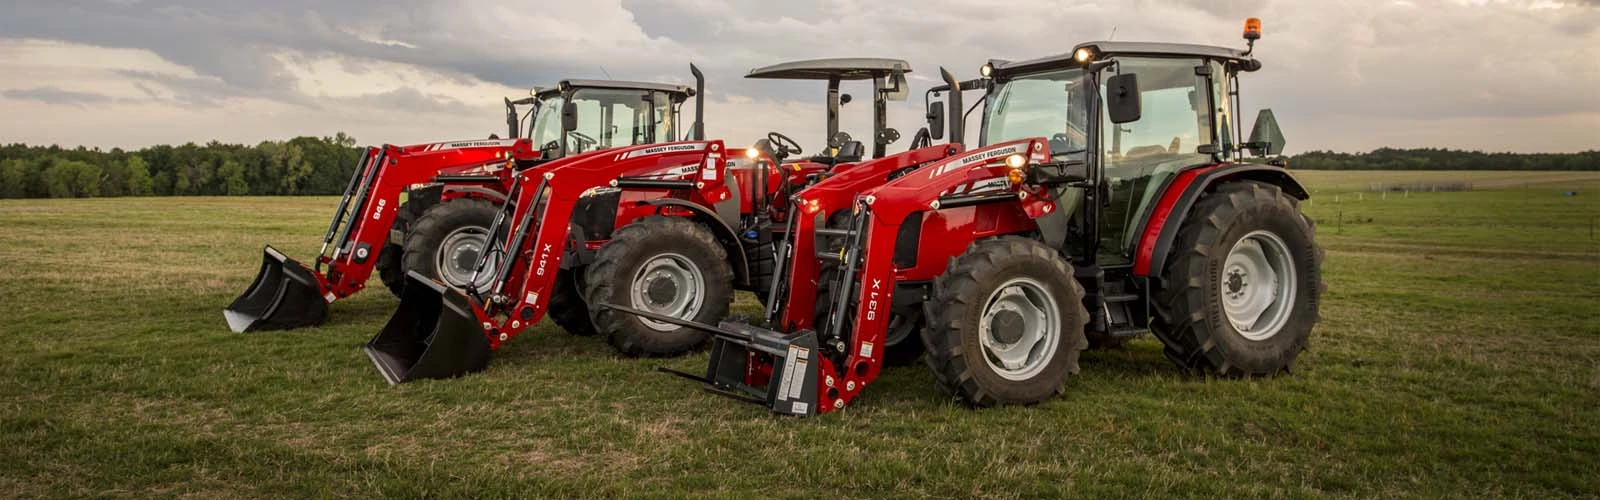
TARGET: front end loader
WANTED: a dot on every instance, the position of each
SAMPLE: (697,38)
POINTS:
(426,208)
(1083,216)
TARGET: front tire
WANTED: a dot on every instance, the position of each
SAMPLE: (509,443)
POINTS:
(446,240)
(668,265)
(1005,324)
(391,259)
(1243,284)
(567,308)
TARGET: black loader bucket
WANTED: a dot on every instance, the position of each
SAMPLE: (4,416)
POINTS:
(737,348)
(284,295)
(434,334)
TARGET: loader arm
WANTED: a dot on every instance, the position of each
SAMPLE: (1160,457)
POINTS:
(797,298)
(376,200)
(539,235)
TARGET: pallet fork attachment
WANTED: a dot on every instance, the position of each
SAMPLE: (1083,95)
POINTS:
(790,388)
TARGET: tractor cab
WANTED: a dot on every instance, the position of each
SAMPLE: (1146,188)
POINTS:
(1125,117)
(888,78)
(579,116)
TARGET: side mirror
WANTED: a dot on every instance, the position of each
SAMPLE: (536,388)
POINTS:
(1266,139)
(897,90)
(936,120)
(569,116)
(1122,98)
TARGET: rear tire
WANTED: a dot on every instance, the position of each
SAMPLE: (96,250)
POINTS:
(1242,286)
(1002,295)
(451,234)
(664,264)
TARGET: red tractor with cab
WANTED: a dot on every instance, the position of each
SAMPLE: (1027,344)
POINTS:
(426,208)
(1112,197)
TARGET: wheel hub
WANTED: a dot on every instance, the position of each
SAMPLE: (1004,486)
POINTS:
(1020,329)
(1258,285)
(1007,325)
(661,289)
(668,284)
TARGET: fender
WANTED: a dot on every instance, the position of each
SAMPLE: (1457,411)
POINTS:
(736,256)
(1159,230)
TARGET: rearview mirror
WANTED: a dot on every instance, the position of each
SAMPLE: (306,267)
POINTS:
(1265,137)
(936,120)
(569,116)
(1122,98)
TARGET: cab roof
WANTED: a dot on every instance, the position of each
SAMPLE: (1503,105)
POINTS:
(682,90)
(1109,48)
(844,68)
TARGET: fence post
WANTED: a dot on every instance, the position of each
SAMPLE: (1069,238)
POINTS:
(1338,227)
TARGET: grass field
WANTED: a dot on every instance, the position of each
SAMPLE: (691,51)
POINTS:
(1458,355)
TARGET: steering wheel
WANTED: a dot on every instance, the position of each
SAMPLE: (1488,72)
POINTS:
(584,141)
(784,146)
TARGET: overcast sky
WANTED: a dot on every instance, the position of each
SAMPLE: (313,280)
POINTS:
(1518,75)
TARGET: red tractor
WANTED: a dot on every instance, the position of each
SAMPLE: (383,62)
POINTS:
(674,228)
(426,208)
(1112,198)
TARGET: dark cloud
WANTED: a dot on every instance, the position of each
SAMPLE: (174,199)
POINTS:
(1424,60)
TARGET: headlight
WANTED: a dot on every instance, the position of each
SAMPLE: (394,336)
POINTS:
(752,153)
(1083,55)
(986,70)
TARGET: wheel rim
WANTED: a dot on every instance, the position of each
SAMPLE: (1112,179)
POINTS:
(457,258)
(1257,285)
(668,284)
(1020,329)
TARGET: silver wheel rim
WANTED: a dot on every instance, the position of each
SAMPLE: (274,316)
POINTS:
(1257,285)
(1020,329)
(668,284)
(458,256)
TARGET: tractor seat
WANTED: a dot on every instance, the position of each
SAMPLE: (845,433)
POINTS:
(847,152)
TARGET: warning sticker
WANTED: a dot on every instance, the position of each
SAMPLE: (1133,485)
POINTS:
(802,361)
(800,408)
(866,349)
(788,373)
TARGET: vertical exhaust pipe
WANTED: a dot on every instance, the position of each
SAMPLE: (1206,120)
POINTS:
(958,135)
(699,103)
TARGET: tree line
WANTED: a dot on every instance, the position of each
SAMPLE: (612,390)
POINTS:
(298,166)
(322,166)
(1443,159)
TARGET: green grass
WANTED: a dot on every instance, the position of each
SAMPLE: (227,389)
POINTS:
(1459,354)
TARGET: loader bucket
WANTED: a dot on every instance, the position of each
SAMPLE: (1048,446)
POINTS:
(284,295)
(433,334)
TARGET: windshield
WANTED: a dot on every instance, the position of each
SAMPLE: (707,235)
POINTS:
(607,118)
(1049,105)
(546,122)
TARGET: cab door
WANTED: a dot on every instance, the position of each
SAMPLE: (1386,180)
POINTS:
(1176,131)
